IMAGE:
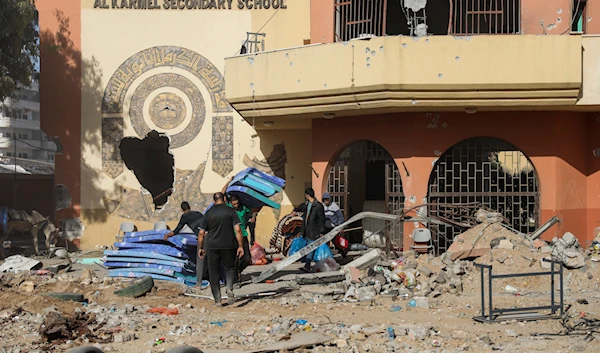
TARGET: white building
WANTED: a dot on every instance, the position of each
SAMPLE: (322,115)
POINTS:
(20,133)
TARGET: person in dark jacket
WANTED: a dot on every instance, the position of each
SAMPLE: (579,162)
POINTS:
(313,226)
(192,219)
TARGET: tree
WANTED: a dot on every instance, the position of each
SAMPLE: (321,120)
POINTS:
(19,44)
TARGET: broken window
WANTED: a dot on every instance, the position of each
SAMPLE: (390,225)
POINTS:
(486,16)
(482,172)
(578,16)
(360,18)
(152,164)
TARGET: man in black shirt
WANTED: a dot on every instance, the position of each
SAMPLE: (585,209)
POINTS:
(191,219)
(221,225)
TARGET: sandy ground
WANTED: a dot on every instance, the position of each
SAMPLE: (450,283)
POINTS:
(448,323)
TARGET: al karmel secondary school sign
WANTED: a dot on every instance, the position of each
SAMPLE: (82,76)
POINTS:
(189,4)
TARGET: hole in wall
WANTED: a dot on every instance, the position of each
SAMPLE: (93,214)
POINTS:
(152,164)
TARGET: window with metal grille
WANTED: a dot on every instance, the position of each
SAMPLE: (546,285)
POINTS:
(486,17)
(482,172)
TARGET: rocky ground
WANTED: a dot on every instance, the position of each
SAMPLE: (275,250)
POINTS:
(445,324)
(427,302)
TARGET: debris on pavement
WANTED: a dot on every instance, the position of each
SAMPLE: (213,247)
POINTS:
(18,263)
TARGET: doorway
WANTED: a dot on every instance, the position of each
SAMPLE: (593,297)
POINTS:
(364,177)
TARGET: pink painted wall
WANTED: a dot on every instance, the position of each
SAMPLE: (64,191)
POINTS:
(556,143)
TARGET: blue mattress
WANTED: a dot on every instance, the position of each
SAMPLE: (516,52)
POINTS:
(146,233)
(185,240)
(141,253)
(252,198)
(133,274)
(270,178)
(156,271)
(161,249)
(263,186)
(144,260)
(175,266)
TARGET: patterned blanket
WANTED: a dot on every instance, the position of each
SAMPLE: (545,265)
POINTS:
(287,229)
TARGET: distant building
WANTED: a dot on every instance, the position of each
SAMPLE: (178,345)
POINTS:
(20,124)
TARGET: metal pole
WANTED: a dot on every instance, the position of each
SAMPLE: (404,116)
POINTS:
(562,291)
(552,287)
(490,293)
(482,293)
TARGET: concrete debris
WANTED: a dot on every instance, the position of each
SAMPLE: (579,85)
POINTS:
(505,244)
(567,250)
(18,263)
(572,258)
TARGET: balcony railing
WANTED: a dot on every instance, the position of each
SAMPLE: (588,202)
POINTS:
(362,18)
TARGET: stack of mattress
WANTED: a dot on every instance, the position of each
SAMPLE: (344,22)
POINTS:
(146,253)
(254,188)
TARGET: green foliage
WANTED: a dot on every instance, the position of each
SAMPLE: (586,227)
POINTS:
(19,44)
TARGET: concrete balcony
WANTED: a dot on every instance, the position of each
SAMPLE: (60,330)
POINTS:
(392,74)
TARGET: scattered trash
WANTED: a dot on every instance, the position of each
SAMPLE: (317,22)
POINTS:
(301,322)
(396,309)
(582,301)
(218,323)
(159,341)
(391,334)
(18,263)
(164,311)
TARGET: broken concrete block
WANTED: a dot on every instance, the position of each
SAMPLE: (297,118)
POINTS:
(365,261)
(539,243)
(505,244)
(501,257)
(418,332)
(425,271)
(352,275)
(464,250)
(440,278)
(495,242)
(421,302)
(409,266)
(572,259)
(546,249)
(27,287)
(569,240)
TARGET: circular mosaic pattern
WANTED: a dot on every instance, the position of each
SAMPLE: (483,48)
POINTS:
(167,110)
(172,117)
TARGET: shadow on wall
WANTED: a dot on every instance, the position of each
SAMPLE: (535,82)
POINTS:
(59,51)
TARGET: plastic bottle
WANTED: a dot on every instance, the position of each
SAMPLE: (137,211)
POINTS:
(391,333)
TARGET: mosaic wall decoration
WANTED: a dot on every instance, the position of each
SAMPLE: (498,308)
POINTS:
(112,134)
(222,145)
(164,56)
(167,110)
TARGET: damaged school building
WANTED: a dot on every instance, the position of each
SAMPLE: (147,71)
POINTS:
(384,104)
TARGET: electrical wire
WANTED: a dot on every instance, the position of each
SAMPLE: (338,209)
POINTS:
(573,18)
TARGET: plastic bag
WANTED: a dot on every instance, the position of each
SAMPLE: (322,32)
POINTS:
(323,252)
(327,265)
(296,245)
(259,255)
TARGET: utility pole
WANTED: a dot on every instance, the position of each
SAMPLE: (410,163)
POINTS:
(15,181)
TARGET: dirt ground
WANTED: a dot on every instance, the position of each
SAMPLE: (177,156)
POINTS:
(447,326)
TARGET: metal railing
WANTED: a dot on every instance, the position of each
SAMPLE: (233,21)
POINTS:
(358,18)
(255,42)
(485,17)
(493,314)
